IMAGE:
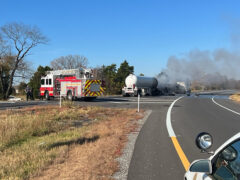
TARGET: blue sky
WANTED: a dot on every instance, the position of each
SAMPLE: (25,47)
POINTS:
(145,33)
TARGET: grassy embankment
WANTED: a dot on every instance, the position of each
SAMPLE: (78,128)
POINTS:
(34,141)
(235,97)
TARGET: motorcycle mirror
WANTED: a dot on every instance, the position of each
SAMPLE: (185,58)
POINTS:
(204,141)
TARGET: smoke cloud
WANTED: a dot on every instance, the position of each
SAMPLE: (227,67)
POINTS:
(219,69)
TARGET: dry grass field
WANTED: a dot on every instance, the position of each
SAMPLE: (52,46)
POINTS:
(235,97)
(71,142)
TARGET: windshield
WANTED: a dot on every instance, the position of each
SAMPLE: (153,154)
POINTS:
(228,163)
(235,165)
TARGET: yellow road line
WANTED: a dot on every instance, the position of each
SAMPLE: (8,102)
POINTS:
(172,134)
(181,154)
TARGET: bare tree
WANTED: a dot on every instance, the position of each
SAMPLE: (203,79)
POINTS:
(69,62)
(4,49)
(98,72)
(4,65)
(21,39)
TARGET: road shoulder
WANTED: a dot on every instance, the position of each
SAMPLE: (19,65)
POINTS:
(125,159)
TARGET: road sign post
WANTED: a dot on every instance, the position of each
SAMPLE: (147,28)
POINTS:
(60,103)
(138,102)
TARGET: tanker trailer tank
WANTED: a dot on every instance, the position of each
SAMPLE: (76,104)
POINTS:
(171,89)
(140,85)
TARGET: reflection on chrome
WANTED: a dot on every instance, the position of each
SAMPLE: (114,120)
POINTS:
(205,141)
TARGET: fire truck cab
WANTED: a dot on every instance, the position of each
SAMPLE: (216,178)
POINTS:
(70,84)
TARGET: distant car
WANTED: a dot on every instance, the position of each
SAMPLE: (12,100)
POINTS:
(14,99)
(223,164)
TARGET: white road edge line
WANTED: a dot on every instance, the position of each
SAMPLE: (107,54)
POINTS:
(143,100)
(225,107)
(168,119)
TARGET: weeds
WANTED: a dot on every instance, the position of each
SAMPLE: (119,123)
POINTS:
(33,140)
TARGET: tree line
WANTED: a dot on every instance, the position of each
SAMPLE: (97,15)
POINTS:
(114,77)
(16,42)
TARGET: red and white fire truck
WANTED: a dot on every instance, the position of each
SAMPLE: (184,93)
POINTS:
(70,84)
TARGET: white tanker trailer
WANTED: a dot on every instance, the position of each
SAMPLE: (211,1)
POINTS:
(140,85)
(172,88)
(151,86)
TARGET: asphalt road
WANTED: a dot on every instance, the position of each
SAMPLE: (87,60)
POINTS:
(110,101)
(20,104)
(155,156)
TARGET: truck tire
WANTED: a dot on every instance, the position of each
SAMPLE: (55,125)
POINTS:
(46,95)
(69,96)
(125,95)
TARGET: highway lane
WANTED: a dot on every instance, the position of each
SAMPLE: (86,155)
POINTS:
(21,104)
(228,103)
(155,156)
(130,102)
(108,101)
(201,114)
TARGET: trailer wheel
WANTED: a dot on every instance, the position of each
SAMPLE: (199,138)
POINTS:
(126,95)
(69,96)
(46,95)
